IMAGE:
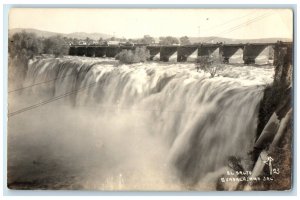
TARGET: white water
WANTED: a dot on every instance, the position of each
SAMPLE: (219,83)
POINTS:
(153,126)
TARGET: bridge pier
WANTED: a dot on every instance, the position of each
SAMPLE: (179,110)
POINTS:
(166,52)
(251,52)
(81,51)
(207,50)
(226,51)
(183,52)
(90,51)
(112,51)
(72,51)
(283,65)
(280,49)
(271,52)
(153,50)
(100,51)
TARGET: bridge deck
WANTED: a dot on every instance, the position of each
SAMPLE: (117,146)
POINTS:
(191,45)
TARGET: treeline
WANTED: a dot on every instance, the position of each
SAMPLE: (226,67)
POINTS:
(26,45)
(147,39)
(169,40)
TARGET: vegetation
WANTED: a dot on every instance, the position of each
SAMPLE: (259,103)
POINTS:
(147,39)
(88,41)
(22,47)
(55,45)
(212,64)
(184,40)
(26,45)
(140,54)
(168,40)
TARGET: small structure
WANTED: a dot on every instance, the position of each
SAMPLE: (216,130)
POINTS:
(113,43)
(81,42)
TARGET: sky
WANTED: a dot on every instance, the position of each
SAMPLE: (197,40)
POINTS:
(135,23)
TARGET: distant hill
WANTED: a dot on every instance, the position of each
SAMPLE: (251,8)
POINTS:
(235,41)
(37,32)
(97,36)
(78,35)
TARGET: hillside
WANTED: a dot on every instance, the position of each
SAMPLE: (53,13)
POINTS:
(78,35)
(96,36)
(234,41)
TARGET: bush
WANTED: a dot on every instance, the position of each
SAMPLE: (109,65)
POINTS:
(211,64)
(140,54)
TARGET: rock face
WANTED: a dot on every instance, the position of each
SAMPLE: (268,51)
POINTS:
(272,151)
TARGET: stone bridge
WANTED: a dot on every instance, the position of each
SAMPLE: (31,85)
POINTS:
(224,51)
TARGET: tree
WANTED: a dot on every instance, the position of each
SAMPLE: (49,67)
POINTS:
(56,45)
(22,47)
(100,40)
(147,39)
(211,64)
(88,40)
(75,41)
(169,40)
(184,40)
(25,45)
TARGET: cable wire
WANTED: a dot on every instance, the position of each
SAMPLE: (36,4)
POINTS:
(229,21)
(50,100)
(242,25)
(40,83)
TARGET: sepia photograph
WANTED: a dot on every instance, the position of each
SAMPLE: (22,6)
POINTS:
(150,99)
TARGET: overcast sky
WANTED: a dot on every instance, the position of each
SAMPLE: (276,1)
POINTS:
(134,23)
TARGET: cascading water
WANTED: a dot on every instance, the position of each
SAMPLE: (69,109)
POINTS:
(151,126)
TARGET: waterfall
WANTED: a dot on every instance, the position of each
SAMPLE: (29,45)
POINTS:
(155,125)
